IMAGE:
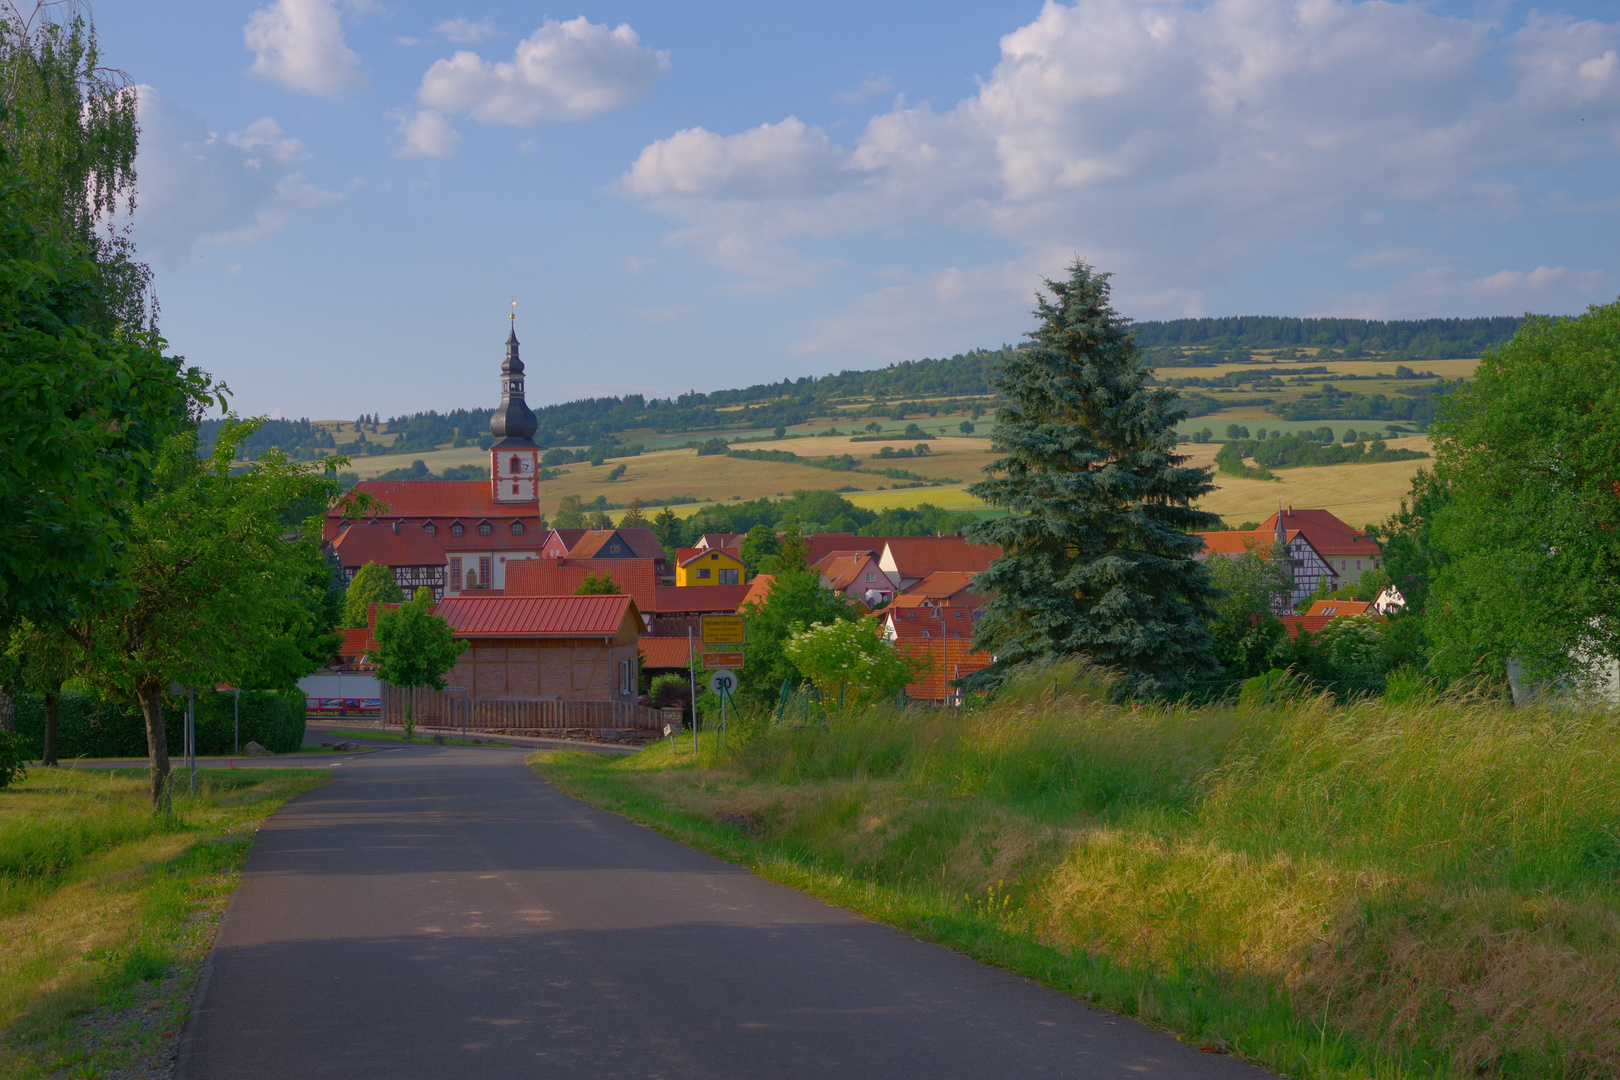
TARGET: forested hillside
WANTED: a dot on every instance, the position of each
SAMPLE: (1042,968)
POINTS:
(927,387)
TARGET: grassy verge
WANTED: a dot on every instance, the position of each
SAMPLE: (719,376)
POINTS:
(107,911)
(380,735)
(1331,891)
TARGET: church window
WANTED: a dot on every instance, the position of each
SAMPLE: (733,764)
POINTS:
(514,465)
(455,574)
(485,529)
(517,528)
(485,567)
(456,529)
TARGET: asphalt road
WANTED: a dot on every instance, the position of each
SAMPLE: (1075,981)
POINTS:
(440,913)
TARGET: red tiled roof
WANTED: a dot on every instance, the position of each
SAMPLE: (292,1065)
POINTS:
(944,645)
(443,499)
(758,590)
(1310,623)
(355,643)
(843,569)
(701,599)
(952,587)
(1327,534)
(818,546)
(376,541)
(665,652)
(720,540)
(684,556)
(1236,543)
(562,577)
(919,556)
(1340,608)
(564,539)
(638,543)
(536,616)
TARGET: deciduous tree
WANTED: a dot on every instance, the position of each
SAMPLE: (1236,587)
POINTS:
(1098,560)
(415,647)
(373,583)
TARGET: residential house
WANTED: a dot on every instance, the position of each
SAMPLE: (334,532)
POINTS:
(1349,551)
(855,574)
(621,544)
(415,556)
(908,559)
(557,543)
(942,639)
(539,648)
(1307,565)
(942,588)
(758,590)
(708,566)
(720,540)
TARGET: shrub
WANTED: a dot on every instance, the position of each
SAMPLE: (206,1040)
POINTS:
(91,727)
(13,766)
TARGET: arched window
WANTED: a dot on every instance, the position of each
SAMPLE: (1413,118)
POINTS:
(484,528)
(517,528)
(456,529)
(515,466)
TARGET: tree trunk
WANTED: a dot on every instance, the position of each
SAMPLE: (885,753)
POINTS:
(48,755)
(157,742)
(8,711)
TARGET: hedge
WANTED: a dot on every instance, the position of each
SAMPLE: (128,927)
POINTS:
(88,726)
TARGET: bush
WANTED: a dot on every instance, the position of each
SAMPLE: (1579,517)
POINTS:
(13,766)
(91,727)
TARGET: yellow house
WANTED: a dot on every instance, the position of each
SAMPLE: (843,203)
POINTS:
(708,566)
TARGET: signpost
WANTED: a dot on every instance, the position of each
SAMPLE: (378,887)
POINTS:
(722,683)
(723,630)
(722,661)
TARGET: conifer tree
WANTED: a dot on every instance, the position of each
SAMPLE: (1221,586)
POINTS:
(1098,560)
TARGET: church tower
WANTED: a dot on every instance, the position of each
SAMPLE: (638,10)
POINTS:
(514,460)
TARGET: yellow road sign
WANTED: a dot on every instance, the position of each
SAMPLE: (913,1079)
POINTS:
(723,630)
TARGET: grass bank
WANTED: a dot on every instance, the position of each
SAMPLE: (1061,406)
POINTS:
(107,911)
(1331,891)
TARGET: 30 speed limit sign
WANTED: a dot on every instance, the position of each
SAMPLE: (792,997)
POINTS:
(723,683)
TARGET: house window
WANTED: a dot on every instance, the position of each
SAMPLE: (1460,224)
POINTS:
(485,567)
(870,578)
(614,549)
(1358,564)
(456,529)
(455,574)
(517,528)
(703,571)
(624,676)
(431,529)
(728,577)
(485,528)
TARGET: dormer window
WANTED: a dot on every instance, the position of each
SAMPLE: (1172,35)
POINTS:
(485,528)
(517,528)
(456,529)
(431,529)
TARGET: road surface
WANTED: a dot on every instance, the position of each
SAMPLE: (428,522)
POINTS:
(441,913)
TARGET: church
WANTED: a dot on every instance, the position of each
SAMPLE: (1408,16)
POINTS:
(480,526)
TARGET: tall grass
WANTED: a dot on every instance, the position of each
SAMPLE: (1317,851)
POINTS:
(1439,881)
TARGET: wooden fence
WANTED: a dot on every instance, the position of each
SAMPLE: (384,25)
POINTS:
(447,709)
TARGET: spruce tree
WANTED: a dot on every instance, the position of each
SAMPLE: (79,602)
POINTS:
(1098,556)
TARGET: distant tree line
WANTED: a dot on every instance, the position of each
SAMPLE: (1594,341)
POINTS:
(1424,338)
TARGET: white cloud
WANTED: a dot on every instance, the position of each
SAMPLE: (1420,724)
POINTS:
(427,134)
(877,84)
(563,71)
(463,31)
(198,189)
(299,44)
(1179,143)
(1447,290)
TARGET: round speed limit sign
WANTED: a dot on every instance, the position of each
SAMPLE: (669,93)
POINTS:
(723,683)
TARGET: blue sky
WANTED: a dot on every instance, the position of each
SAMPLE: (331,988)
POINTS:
(340,197)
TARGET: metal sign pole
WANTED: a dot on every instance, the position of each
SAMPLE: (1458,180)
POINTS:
(691,671)
(236,724)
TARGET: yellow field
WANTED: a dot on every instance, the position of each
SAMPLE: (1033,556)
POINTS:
(1449,369)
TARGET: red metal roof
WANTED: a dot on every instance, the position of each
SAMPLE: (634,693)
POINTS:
(376,541)
(665,652)
(1327,534)
(537,616)
(919,556)
(697,599)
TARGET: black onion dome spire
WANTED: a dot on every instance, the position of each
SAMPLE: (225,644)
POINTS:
(513,424)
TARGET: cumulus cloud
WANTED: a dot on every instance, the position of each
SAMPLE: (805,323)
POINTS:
(1446,288)
(563,71)
(463,31)
(299,44)
(1178,143)
(199,189)
(427,134)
